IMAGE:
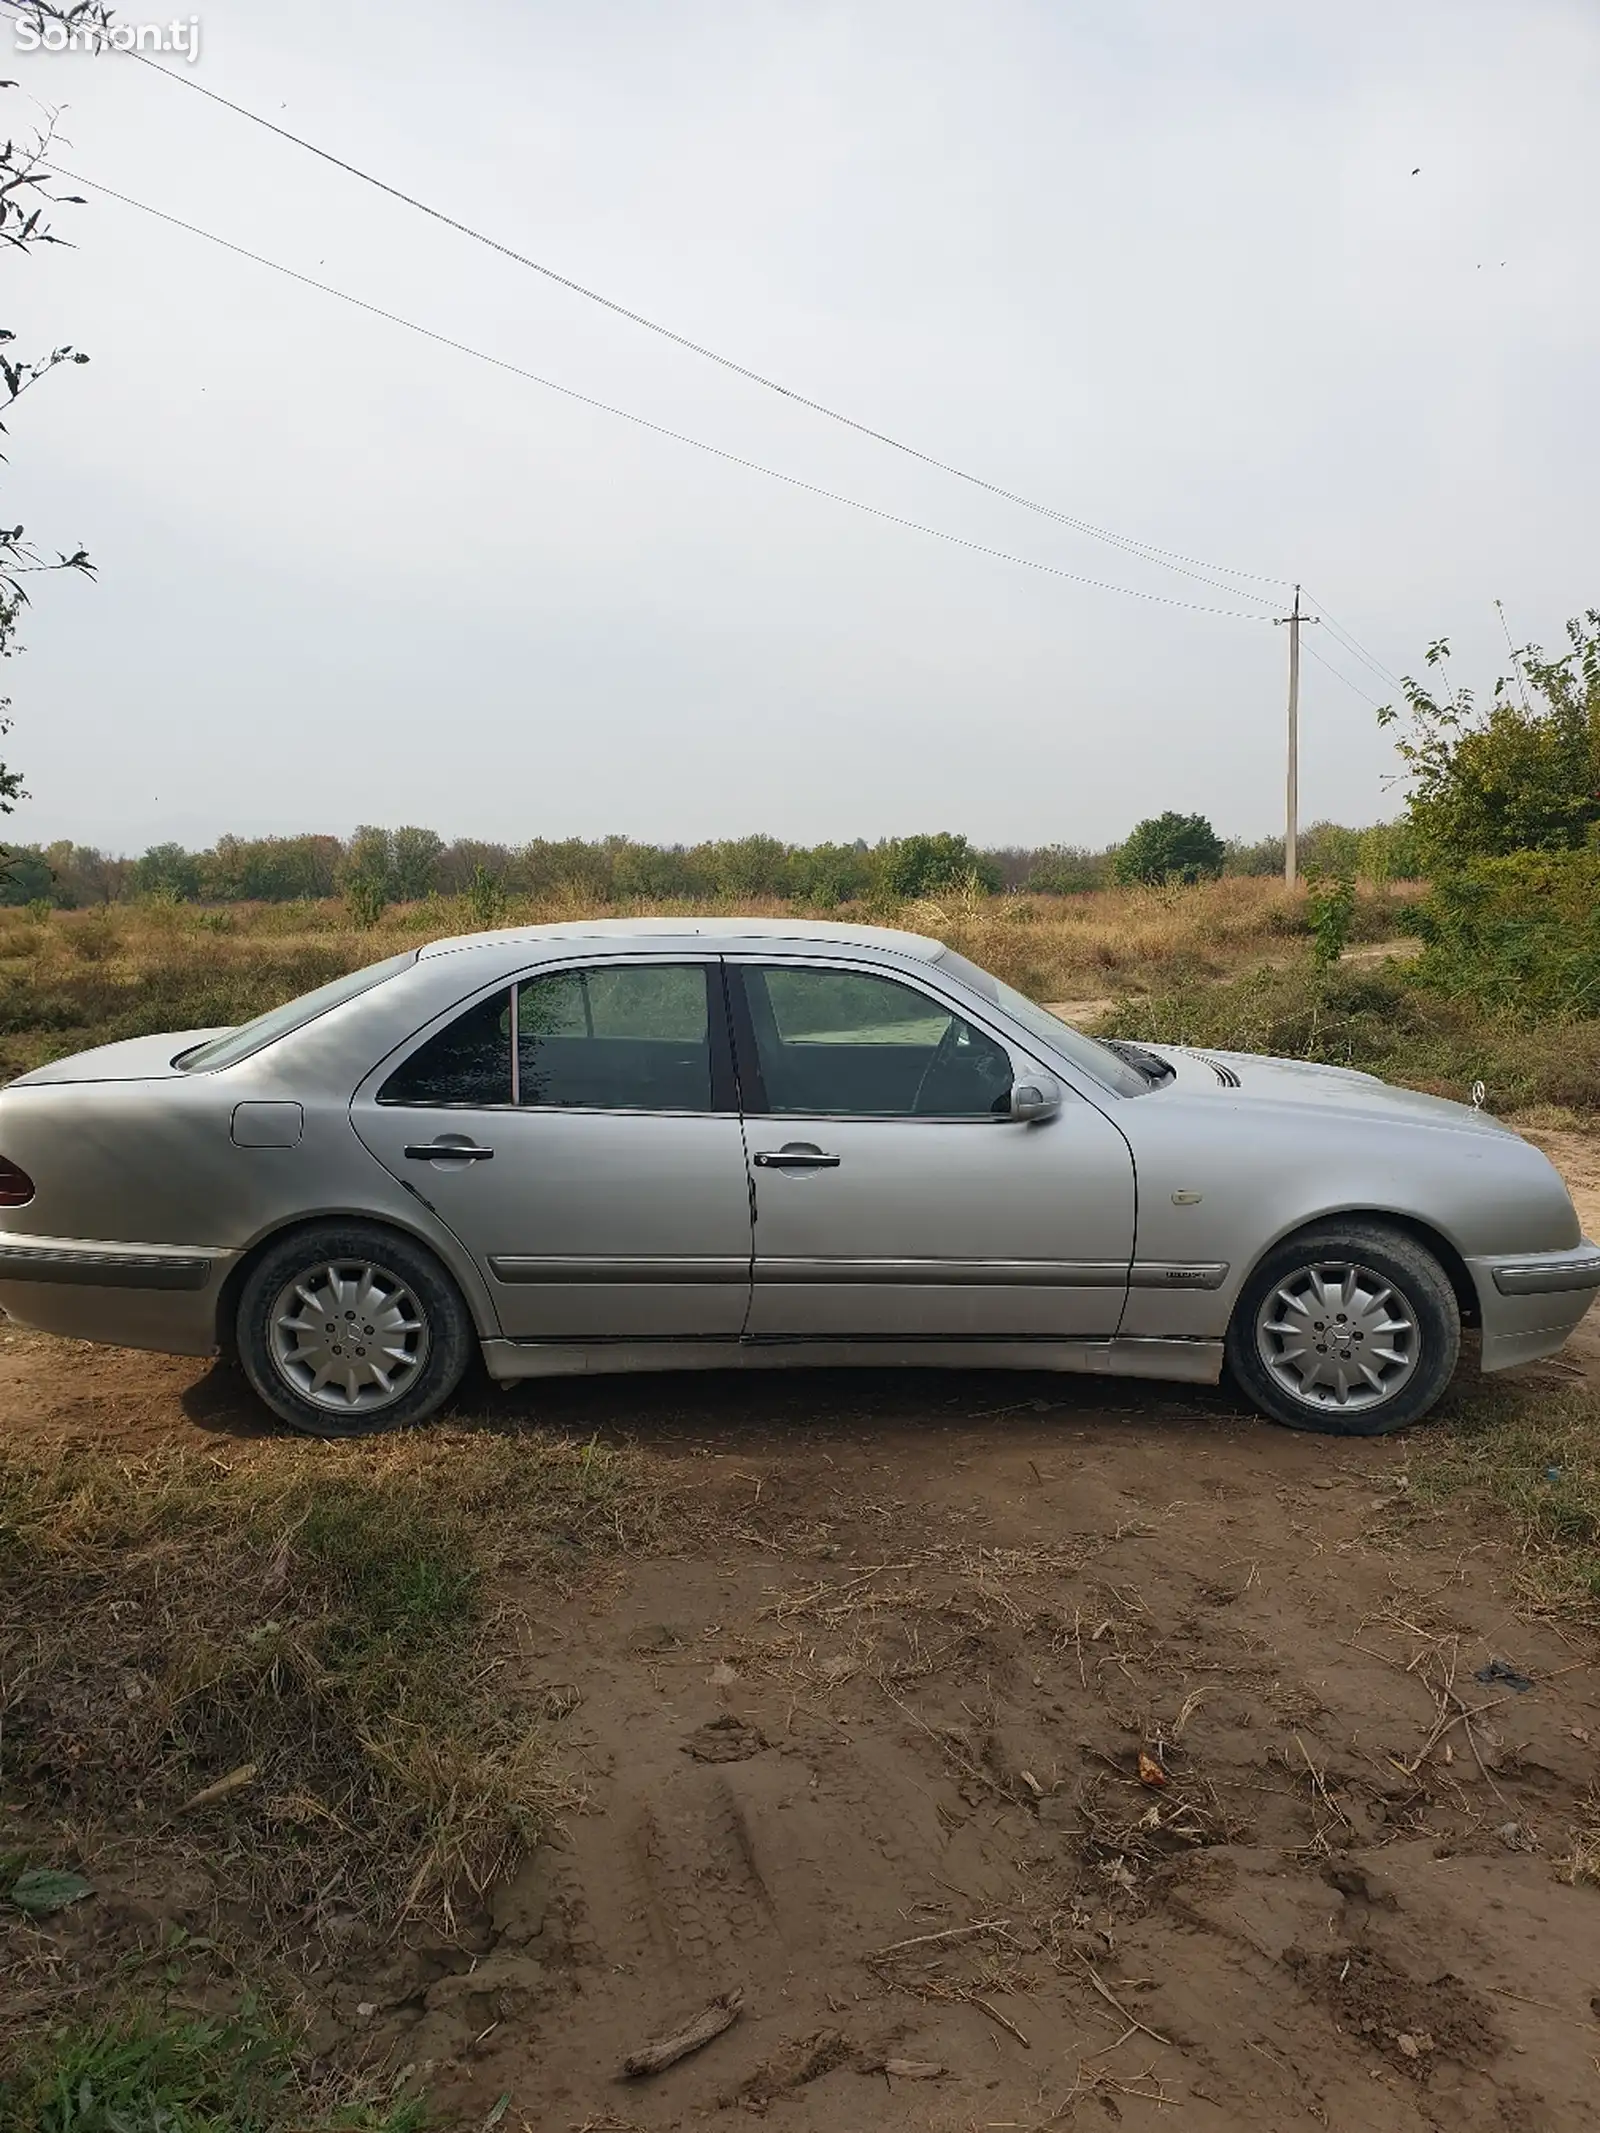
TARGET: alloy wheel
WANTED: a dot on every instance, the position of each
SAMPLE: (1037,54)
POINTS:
(348,1336)
(1338,1335)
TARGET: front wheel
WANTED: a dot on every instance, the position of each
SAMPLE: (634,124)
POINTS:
(1352,1329)
(345,1329)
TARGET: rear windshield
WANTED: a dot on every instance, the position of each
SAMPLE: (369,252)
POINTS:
(1111,1072)
(239,1043)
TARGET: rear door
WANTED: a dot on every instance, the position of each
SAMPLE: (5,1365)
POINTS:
(579,1132)
(893,1192)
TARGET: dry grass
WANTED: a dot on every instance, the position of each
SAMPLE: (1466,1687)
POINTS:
(275,1677)
(1534,1464)
(71,979)
(1120,940)
(286,1667)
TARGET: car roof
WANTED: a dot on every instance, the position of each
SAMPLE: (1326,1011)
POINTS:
(821,932)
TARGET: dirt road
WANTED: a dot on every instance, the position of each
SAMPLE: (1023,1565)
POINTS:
(1025,1752)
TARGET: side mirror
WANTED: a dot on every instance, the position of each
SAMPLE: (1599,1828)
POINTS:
(1035,1096)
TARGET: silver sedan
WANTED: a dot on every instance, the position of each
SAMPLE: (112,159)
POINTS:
(678,1144)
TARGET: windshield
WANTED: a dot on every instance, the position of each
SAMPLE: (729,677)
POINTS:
(1096,1059)
(239,1043)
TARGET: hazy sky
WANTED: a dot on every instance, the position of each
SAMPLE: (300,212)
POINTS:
(1161,267)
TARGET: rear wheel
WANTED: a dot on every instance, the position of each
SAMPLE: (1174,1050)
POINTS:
(345,1329)
(1352,1329)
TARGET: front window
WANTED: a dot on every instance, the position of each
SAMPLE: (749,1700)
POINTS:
(846,1043)
(1091,1058)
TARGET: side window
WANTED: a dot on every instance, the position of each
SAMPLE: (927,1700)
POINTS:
(845,1041)
(628,1037)
(468,1062)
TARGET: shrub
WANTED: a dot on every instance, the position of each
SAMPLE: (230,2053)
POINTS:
(1331,910)
(1170,847)
(1523,775)
(485,898)
(922,865)
(1066,870)
(1519,934)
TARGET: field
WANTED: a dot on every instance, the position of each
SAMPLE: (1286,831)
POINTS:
(71,978)
(1027,1752)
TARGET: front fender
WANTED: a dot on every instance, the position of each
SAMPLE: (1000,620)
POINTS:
(1221,1181)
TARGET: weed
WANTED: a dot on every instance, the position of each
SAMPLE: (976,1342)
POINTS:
(1331,909)
(367,901)
(139,2072)
(485,900)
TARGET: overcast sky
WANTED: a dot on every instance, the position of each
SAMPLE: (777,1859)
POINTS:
(1164,268)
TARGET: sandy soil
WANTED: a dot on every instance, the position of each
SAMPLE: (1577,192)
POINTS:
(1025,1752)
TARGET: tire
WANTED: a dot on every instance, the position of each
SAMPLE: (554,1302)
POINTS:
(346,1329)
(1376,1290)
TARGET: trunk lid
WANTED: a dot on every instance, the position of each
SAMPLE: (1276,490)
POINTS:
(134,1059)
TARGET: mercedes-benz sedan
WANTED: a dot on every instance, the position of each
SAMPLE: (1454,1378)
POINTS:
(670,1143)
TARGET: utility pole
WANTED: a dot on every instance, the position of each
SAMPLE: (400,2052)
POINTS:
(1291,821)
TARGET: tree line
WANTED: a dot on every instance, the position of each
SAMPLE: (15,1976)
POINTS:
(376,867)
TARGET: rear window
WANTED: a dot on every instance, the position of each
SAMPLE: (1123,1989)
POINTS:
(237,1044)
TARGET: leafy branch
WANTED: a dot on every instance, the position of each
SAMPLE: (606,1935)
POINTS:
(28,195)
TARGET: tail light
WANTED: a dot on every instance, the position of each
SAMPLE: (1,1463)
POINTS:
(16,1187)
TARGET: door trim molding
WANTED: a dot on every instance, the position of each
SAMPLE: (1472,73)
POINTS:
(943,1273)
(517,1269)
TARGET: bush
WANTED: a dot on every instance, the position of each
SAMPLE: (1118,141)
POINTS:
(1066,870)
(911,867)
(1331,910)
(1170,847)
(1523,775)
(1519,935)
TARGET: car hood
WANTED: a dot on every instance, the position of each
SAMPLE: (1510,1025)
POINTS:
(134,1059)
(1308,1084)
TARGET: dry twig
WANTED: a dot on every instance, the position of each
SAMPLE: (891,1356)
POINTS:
(662,2052)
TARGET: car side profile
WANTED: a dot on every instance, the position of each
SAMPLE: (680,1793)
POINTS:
(683,1144)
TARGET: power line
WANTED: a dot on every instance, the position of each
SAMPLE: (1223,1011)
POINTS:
(1168,559)
(1338,674)
(1358,650)
(658,429)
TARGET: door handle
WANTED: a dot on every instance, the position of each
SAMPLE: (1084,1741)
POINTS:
(447,1151)
(800,1155)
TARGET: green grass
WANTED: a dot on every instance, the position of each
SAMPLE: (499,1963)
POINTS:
(140,2073)
(1378,1021)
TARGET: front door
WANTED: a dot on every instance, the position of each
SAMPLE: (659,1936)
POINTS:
(893,1192)
(579,1133)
